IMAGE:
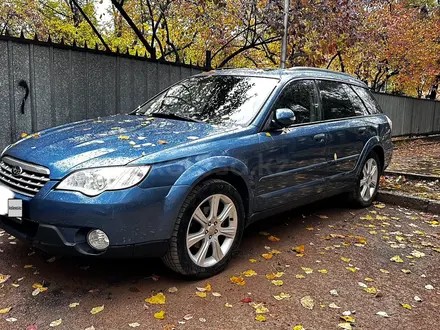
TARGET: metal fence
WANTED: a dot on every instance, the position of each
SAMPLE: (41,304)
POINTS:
(411,116)
(47,84)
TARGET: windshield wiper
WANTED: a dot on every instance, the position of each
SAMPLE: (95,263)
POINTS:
(173,116)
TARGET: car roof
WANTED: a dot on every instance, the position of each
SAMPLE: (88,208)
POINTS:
(287,74)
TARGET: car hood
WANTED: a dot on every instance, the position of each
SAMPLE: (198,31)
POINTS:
(111,141)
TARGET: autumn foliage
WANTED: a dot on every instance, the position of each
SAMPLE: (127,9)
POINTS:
(391,45)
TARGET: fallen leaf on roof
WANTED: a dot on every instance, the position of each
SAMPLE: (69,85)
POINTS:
(159,315)
(158,299)
(310,228)
(238,280)
(369,279)
(56,323)
(334,292)
(249,273)
(260,308)
(418,299)
(307,302)
(188,317)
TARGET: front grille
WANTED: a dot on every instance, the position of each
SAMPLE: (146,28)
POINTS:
(21,177)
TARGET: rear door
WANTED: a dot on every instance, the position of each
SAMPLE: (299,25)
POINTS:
(292,164)
(348,130)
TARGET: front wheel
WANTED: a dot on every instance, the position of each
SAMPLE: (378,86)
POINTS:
(367,183)
(207,231)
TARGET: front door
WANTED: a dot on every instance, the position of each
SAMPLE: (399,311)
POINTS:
(292,160)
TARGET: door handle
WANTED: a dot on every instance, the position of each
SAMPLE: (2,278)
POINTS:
(362,130)
(319,138)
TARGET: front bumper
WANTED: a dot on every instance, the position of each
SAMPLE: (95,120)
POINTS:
(139,222)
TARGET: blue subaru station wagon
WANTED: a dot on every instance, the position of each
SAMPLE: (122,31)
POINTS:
(183,175)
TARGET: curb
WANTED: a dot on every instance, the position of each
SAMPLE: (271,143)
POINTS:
(413,176)
(406,200)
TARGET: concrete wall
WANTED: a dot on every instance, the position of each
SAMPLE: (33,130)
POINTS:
(68,84)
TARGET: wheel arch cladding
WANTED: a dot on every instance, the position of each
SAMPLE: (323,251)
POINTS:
(381,154)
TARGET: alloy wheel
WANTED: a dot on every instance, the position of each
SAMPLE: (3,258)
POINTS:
(211,230)
(368,183)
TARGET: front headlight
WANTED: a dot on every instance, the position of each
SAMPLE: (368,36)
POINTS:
(93,182)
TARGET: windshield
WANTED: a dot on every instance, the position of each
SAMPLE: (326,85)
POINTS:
(219,100)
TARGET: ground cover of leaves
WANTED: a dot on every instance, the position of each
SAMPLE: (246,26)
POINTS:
(325,266)
(419,156)
(429,189)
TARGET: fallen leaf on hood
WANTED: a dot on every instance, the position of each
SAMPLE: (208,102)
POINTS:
(277,282)
(307,302)
(396,259)
(162,142)
(96,310)
(56,323)
(158,299)
(249,273)
(123,137)
(237,280)
(273,238)
(260,318)
(173,289)
(267,256)
(134,325)
(159,315)
(4,278)
(73,305)
(23,135)
(384,314)
(5,310)
(201,294)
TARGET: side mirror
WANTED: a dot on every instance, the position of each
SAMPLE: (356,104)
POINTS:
(284,117)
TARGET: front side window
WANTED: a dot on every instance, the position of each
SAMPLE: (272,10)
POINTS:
(299,96)
(339,101)
(217,99)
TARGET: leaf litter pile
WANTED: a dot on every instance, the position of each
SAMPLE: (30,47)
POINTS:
(340,268)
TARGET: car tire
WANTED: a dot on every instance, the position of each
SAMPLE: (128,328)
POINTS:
(367,182)
(212,214)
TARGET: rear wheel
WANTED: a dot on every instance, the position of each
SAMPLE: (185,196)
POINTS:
(208,229)
(367,183)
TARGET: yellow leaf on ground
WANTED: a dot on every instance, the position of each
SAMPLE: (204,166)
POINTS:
(310,228)
(272,276)
(159,315)
(4,278)
(407,306)
(267,256)
(273,238)
(307,302)
(5,310)
(96,310)
(307,270)
(298,327)
(369,279)
(216,294)
(238,280)
(345,259)
(158,299)
(406,271)
(371,290)
(323,271)
(273,251)
(299,249)
(259,308)
(384,271)
(345,325)
(299,276)
(277,282)
(250,273)
(228,305)
(348,318)
(282,296)
(173,289)
(73,305)
(260,318)
(396,259)
(252,260)
(206,288)
(351,269)
(56,323)
(201,294)
(379,205)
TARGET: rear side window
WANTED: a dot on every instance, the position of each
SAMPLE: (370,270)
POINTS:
(299,96)
(339,101)
(369,101)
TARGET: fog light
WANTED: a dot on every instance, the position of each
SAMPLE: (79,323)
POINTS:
(98,240)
